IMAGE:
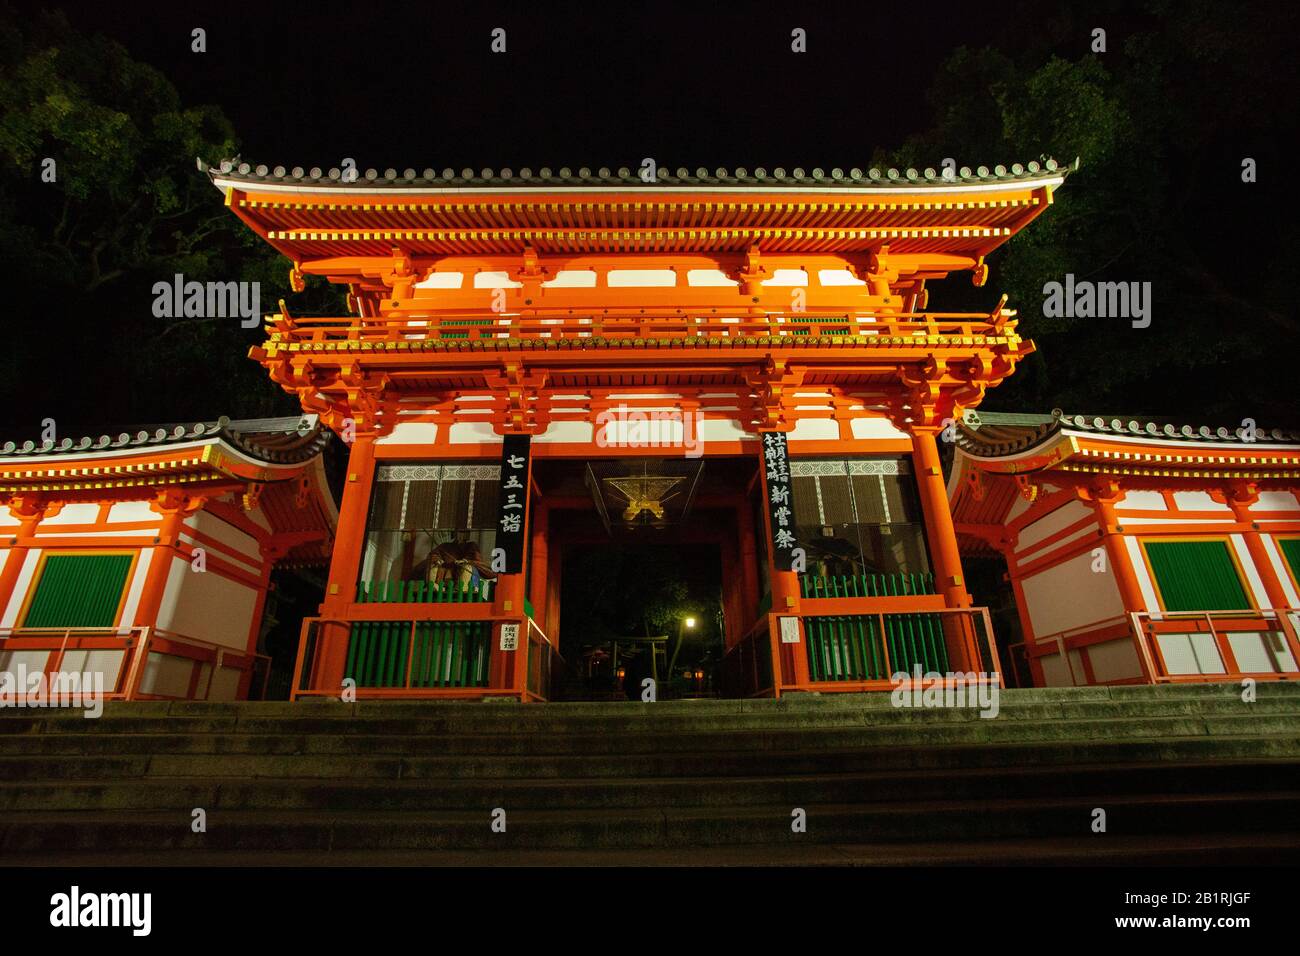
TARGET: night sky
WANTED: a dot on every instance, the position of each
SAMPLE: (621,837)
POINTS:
(415,84)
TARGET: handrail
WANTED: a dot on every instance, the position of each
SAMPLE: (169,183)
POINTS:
(1147,625)
(1060,637)
(309,652)
(136,644)
(986,656)
(632,323)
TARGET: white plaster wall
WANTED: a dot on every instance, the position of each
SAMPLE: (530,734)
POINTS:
(1052,522)
(225,684)
(166,675)
(1056,673)
(21,586)
(814,429)
(1276,501)
(874,427)
(209,524)
(1114,660)
(1190,653)
(1264,653)
(473,433)
(71,514)
(1070,595)
(566,432)
(1254,581)
(107,663)
(724,429)
(1280,569)
(1197,501)
(137,511)
(207,606)
(410,433)
(1142,501)
(1139,566)
(135,587)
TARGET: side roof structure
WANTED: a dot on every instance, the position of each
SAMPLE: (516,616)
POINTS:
(1000,455)
(274,463)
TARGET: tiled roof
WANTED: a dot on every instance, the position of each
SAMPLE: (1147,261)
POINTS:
(624,177)
(272,440)
(1005,433)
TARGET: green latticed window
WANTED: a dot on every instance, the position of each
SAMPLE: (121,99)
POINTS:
(78,590)
(1291,551)
(1196,576)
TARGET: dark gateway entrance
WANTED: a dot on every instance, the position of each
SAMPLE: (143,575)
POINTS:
(648,565)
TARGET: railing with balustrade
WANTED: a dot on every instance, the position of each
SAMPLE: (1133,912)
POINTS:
(136,663)
(865,651)
(398,651)
(1174,647)
(1224,645)
(634,324)
(827,649)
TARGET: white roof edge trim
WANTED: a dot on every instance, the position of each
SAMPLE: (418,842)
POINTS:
(1179,442)
(223,184)
(71,456)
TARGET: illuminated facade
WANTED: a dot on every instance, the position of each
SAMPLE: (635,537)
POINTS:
(737,360)
(147,557)
(1139,551)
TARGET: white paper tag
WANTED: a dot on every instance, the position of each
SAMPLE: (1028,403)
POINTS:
(789,630)
(509,637)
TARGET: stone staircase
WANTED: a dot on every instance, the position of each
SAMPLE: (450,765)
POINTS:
(1185,774)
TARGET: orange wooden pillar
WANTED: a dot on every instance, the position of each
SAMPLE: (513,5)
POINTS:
(29,511)
(1239,497)
(959,632)
(939,528)
(175,507)
(1103,494)
(349,545)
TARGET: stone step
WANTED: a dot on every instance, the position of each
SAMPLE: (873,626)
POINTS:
(1225,849)
(537,721)
(223,794)
(669,763)
(1074,699)
(649,741)
(1262,813)
(805,711)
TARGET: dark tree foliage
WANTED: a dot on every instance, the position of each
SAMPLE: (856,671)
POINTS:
(629,590)
(1161,123)
(127,209)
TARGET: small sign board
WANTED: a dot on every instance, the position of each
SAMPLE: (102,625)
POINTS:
(789,630)
(780,500)
(509,637)
(512,501)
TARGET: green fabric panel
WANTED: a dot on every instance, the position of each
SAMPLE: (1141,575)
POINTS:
(1196,576)
(79,590)
(1291,549)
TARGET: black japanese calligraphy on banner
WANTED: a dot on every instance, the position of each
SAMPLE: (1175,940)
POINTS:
(778,490)
(512,504)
